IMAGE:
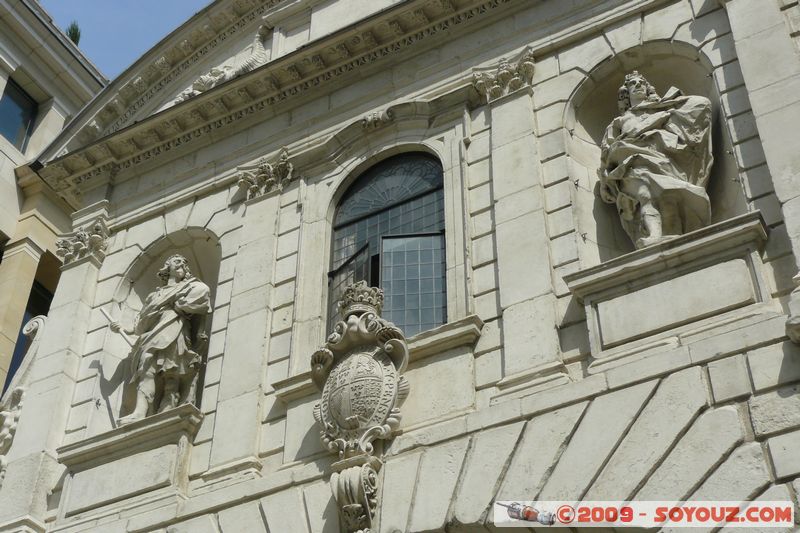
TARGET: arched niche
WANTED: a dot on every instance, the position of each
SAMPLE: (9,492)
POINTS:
(202,250)
(593,106)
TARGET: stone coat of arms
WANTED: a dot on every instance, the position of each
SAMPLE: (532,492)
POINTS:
(359,371)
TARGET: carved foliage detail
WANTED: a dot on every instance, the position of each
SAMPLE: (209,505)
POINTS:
(90,240)
(266,177)
(506,78)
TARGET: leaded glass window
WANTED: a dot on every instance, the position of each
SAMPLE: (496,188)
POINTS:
(389,231)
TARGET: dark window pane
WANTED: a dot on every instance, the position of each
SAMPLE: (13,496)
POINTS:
(17,114)
(356,268)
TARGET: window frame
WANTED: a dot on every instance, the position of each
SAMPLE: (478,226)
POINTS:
(332,272)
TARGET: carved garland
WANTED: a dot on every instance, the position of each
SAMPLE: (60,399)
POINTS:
(89,240)
(266,177)
(359,371)
(506,78)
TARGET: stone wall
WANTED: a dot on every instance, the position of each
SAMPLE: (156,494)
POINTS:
(571,366)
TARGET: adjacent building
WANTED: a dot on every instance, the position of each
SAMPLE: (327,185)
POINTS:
(44,81)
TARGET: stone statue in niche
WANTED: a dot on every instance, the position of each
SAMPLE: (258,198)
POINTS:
(171,329)
(656,160)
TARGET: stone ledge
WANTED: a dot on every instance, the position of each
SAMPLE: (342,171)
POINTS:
(26,524)
(701,276)
(147,460)
(708,241)
(148,433)
(462,332)
(294,387)
(705,242)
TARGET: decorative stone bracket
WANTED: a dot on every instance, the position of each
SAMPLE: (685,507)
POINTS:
(505,78)
(265,177)
(87,241)
(359,371)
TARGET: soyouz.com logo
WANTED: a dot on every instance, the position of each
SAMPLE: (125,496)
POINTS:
(645,514)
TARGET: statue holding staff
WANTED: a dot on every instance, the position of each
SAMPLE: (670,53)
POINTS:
(656,161)
(166,356)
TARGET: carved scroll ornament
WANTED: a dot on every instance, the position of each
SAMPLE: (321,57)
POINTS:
(359,371)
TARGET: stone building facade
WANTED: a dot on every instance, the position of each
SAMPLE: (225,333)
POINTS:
(44,81)
(288,148)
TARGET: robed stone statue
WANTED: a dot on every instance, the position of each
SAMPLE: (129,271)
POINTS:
(167,355)
(656,161)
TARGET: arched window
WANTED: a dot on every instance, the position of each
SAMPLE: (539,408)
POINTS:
(389,231)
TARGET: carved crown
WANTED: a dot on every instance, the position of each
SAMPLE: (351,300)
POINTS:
(360,298)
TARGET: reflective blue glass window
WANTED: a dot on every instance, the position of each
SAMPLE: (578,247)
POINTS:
(17,115)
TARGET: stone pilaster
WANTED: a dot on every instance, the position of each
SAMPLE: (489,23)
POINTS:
(241,387)
(49,386)
(763,40)
(522,243)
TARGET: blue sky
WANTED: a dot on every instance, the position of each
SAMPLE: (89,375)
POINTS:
(115,33)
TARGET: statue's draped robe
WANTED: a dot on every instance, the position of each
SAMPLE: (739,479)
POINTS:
(666,145)
(164,326)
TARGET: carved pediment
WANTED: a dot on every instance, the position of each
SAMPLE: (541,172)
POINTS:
(226,37)
(208,75)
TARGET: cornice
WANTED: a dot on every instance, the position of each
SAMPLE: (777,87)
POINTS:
(310,155)
(165,68)
(286,80)
(380,37)
(166,61)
